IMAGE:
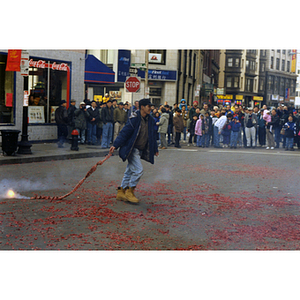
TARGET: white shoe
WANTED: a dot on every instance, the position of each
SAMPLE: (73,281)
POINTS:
(267,148)
(272,148)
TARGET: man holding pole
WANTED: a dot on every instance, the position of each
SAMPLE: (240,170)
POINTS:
(137,140)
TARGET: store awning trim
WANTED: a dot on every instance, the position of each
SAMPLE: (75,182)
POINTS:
(97,72)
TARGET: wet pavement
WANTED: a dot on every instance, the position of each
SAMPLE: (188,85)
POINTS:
(190,199)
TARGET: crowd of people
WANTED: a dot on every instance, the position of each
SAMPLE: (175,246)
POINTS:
(99,123)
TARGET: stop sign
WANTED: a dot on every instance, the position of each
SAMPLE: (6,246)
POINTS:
(132,84)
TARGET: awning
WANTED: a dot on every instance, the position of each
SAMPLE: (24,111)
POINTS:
(97,72)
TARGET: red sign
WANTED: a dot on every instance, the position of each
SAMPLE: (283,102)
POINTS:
(9,100)
(13,60)
(132,84)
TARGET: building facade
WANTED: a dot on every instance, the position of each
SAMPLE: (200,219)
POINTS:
(54,75)
(280,77)
(239,76)
(190,68)
(210,76)
(162,75)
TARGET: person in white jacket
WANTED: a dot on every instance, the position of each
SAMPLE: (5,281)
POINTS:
(218,129)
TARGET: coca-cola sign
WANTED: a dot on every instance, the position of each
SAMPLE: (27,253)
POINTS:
(42,65)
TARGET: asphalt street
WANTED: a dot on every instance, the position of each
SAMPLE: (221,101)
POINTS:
(190,199)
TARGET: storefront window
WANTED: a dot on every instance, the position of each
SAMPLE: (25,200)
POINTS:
(47,85)
(6,93)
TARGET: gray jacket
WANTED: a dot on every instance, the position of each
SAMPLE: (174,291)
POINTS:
(80,118)
(163,123)
(254,120)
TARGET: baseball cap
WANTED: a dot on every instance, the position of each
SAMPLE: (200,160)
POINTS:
(145,102)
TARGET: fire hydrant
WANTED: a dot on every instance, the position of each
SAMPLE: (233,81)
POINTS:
(75,140)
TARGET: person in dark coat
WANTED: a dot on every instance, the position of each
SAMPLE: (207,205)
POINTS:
(71,123)
(80,119)
(93,118)
(107,116)
(61,119)
(137,140)
(276,127)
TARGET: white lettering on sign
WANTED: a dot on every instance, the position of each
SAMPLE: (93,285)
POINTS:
(37,64)
(60,67)
(132,84)
(42,65)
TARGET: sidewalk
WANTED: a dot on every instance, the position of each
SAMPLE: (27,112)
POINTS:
(50,151)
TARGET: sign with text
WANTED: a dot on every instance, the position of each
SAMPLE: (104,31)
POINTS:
(13,60)
(225,97)
(24,66)
(132,84)
(36,114)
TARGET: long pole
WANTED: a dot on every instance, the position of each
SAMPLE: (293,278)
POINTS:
(146,92)
(24,145)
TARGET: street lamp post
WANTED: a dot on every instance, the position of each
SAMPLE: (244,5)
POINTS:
(24,145)
(146,90)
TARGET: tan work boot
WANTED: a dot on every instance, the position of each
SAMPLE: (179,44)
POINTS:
(121,194)
(130,195)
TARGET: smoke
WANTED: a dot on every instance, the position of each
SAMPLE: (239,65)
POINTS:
(23,185)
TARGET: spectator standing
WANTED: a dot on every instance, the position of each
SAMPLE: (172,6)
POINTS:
(80,119)
(207,129)
(226,131)
(290,133)
(178,127)
(214,119)
(107,116)
(199,130)
(269,130)
(61,119)
(250,124)
(71,123)
(261,128)
(163,127)
(185,117)
(170,126)
(275,127)
(93,118)
(235,129)
(192,110)
(283,120)
(99,123)
(193,136)
(220,123)
(156,118)
(120,119)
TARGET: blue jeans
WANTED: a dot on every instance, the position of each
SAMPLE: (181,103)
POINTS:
(184,133)
(134,170)
(234,138)
(107,133)
(199,140)
(170,131)
(81,136)
(289,143)
(91,133)
(62,132)
(216,137)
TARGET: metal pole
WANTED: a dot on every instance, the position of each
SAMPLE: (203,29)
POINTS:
(48,94)
(146,93)
(24,145)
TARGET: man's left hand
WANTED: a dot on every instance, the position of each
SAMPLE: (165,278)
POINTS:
(156,154)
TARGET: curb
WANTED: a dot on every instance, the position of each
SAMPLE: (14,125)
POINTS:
(30,159)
